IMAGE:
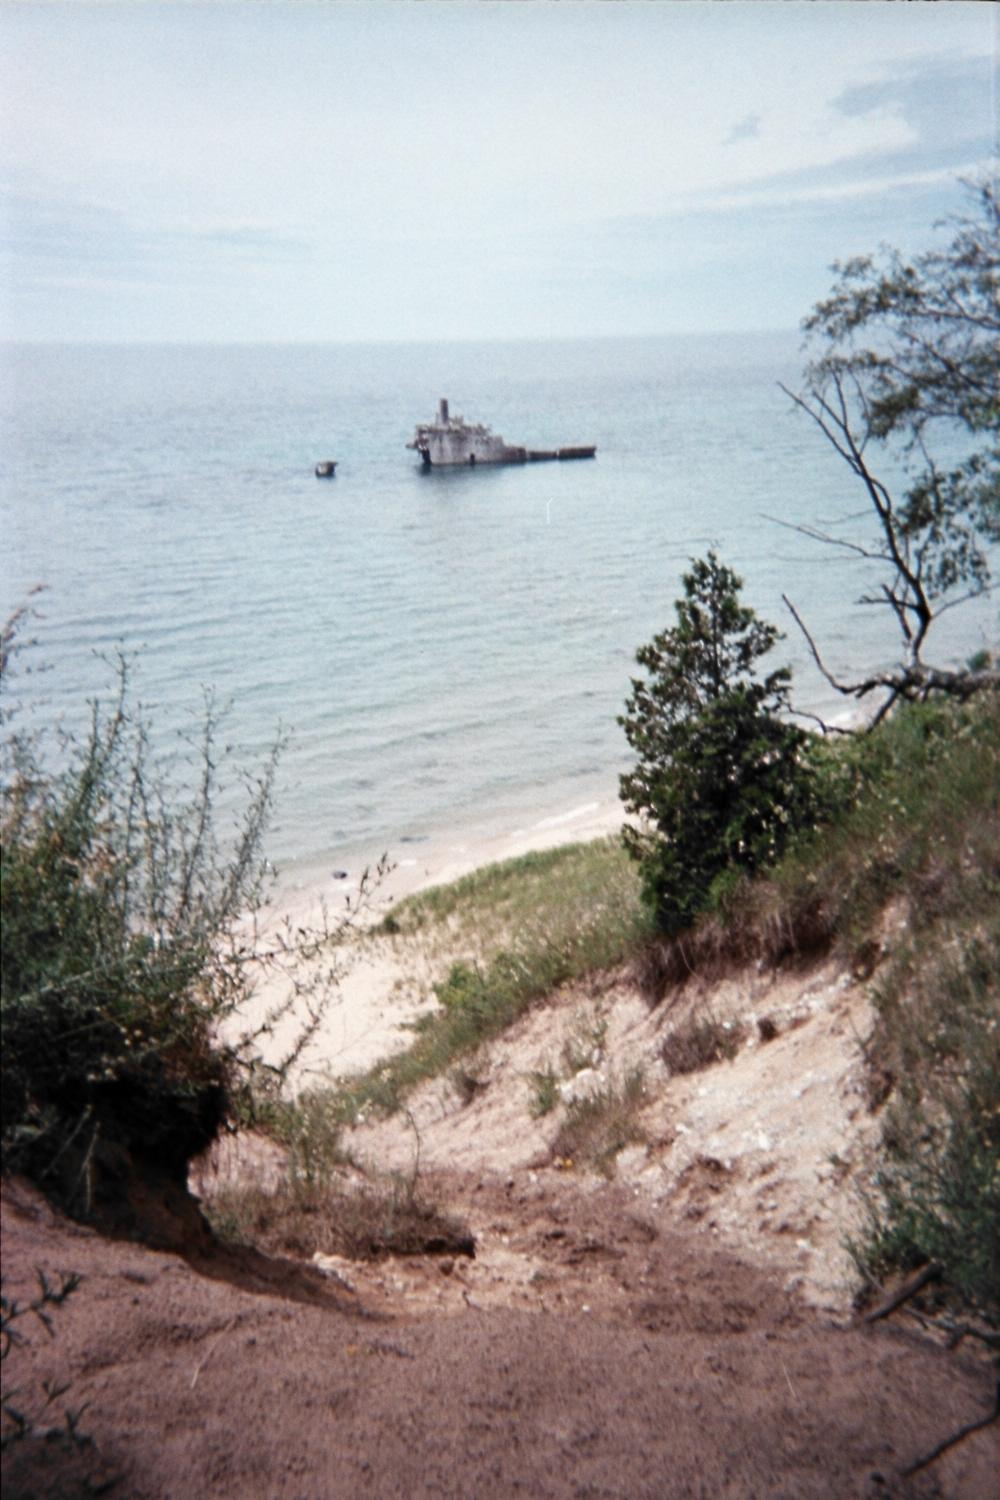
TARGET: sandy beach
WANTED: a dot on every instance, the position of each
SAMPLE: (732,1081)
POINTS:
(379,991)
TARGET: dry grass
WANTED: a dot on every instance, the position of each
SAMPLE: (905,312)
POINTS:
(361,1221)
(599,1125)
(699,1042)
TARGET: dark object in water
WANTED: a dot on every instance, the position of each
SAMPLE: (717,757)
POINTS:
(327,469)
(339,874)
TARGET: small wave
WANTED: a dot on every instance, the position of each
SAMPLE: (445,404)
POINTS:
(568,817)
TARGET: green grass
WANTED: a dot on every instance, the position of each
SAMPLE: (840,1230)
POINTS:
(552,896)
(923,815)
(539,922)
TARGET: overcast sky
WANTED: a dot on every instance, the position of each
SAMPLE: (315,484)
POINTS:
(408,169)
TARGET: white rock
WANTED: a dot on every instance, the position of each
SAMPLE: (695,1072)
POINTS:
(582,1085)
(333,1265)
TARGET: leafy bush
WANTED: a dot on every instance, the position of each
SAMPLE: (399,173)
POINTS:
(127,952)
(936,1194)
(722,781)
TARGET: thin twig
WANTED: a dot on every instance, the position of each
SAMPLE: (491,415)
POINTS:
(211,1350)
(956,1437)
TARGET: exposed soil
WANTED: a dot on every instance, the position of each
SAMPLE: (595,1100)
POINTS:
(760,1153)
(610,1358)
(684,1329)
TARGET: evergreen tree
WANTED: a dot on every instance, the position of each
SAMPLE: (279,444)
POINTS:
(720,779)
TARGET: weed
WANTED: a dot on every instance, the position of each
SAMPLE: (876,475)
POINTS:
(545,1088)
(22,1411)
(700,1042)
(599,1125)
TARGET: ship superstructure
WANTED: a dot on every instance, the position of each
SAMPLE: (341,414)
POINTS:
(453,440)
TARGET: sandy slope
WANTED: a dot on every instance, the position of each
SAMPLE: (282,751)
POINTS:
(685,1372)
(683,1330)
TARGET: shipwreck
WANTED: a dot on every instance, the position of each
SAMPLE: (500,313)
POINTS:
(450,441)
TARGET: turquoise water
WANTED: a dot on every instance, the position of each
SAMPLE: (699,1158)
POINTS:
(447,649)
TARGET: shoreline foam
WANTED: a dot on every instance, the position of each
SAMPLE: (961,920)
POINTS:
(441,859)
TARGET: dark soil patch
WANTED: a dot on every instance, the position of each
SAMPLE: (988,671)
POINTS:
(687,1373)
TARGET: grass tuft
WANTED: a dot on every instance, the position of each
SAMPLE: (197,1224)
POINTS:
(599,1125)
(364,1221)
(700,1042)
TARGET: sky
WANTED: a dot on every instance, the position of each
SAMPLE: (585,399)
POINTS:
(399,170)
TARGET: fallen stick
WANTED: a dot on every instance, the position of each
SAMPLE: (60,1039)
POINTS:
(909,1289)
(956,1437)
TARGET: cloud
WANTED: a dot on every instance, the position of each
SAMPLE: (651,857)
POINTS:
(747,129)
(791,191)
(944,102)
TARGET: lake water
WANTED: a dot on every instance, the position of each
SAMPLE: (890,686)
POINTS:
(447,649)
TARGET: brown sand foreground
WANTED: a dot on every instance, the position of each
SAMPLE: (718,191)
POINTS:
(685,1372)
(681,1331)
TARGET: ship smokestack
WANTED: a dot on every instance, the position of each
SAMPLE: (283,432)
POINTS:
(443,412)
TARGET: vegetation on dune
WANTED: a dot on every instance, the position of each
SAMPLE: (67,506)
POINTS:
(539,922)
(722,780)
(575,892)
(127,948)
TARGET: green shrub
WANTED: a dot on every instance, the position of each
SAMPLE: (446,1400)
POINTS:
(126,954)
(936,1194)
(722,780)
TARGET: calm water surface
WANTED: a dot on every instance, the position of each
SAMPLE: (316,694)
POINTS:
(447,649)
